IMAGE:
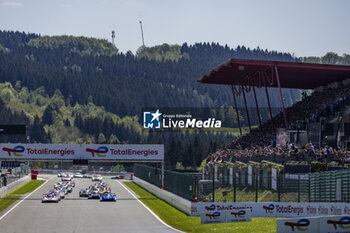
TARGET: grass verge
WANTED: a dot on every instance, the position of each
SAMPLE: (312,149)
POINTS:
(181,221)
(9,199)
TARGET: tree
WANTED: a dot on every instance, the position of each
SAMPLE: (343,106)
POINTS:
(101,139)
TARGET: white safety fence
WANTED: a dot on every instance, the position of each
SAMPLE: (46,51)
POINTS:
(14,185)
(173,199)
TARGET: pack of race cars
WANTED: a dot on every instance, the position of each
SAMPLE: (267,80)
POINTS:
(59,191)
(98,191)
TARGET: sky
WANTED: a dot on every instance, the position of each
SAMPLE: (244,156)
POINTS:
(300,27)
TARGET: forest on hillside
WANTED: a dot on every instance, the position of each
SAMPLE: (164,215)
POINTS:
(83,90)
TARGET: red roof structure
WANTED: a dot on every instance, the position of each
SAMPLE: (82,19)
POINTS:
(292,74)
(244,75)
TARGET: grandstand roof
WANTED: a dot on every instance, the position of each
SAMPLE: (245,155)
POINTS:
(292,74)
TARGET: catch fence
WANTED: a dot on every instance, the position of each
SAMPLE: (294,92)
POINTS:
(175,182)
(251,183)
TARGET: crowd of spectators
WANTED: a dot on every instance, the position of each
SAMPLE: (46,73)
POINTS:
(324,103)
(289,152)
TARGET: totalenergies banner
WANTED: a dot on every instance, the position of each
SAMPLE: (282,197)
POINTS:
(275,209)
(321,224)
(82,151)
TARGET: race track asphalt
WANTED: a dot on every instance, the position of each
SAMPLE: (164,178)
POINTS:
(81,215)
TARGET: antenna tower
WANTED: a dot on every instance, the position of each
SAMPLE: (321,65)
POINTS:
(143,41)
(113,36)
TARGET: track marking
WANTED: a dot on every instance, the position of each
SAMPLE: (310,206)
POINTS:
(156,216)
(23,199)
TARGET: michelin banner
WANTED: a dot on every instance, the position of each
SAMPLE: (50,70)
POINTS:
(83,151)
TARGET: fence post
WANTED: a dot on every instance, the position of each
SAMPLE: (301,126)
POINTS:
(298,188)
(212,170)
(279,186)
(162,174)
(256,185)
(309,187)
(234,186)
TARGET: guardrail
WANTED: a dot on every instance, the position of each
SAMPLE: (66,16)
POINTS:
(171,198)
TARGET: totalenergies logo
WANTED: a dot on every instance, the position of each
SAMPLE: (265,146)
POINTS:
(100,152)
(239,214)
(210,208)
(269,209)
(15,151)
(344,223)
(301,225)
(214,215)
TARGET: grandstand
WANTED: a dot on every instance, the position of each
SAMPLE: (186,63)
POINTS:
(274,161)
(323,115)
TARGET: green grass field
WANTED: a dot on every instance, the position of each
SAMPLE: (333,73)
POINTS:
(9,199)
(183,222)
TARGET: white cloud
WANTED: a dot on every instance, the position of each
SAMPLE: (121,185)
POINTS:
(12,4)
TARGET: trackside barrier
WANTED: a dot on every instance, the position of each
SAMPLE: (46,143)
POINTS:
(324,224)
(275,209)
(12,186)
(171,198)
(228,216)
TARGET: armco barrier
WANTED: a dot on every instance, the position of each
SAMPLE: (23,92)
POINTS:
(322,224)
(174,200)
(12,186)
(275,209)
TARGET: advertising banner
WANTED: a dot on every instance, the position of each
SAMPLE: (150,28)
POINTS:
(276,209)
(243,215)
(82,151)
(294,225)
(213,217)
(334,224)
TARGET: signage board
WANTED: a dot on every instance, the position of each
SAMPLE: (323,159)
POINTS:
(243,215)
(83,151)
(294,225)
(213,217)
(334,224)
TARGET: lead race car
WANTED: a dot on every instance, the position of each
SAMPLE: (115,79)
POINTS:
(108,197)
(50,197)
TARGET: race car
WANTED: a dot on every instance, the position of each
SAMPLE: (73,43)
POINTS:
(71,183)
(56,192)
(94,194)
(96,178)
(60,174)
(66,178)
(69,189)
(61,192)
(108,197)
(78,175)
(50,197)
(84,193)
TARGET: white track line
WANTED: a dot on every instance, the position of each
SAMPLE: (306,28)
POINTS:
(156,216)
(23,199)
